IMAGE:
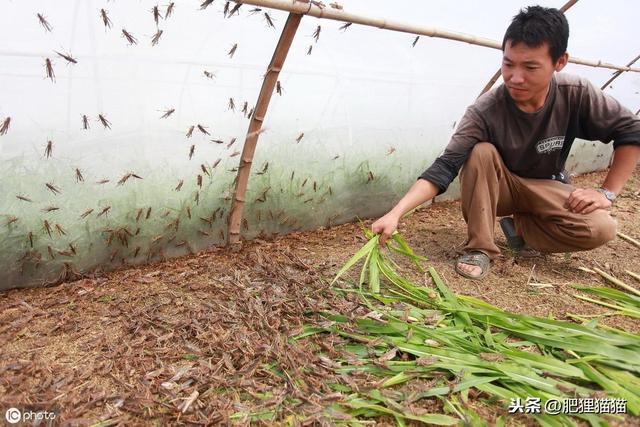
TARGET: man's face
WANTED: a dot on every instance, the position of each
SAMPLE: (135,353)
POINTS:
(527,72)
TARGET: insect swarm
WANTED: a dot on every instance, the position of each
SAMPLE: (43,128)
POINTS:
(48,67)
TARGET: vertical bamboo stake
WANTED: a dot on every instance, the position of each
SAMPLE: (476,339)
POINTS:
(617,73)
(496,76)
(251,140)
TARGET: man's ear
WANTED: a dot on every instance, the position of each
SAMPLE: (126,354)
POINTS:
(562,61)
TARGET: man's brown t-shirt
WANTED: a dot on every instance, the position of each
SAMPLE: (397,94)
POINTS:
(536,145)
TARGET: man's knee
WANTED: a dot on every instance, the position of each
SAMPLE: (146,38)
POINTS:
(482,152)
(603,228)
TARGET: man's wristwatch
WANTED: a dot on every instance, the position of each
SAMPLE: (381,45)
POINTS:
(610,195)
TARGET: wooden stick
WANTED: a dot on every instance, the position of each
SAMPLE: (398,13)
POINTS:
(629,239)
(251,140)
(498,73)
(618,73)
(617,282)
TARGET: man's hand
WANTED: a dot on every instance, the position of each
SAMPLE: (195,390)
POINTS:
(385,226)
(586,200)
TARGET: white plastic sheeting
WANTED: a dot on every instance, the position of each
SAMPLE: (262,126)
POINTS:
(374,112)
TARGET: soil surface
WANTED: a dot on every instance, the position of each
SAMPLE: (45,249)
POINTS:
(205,339)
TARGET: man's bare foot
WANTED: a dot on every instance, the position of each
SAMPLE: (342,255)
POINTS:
(471,270)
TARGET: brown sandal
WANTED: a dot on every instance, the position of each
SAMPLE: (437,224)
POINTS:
(477,258)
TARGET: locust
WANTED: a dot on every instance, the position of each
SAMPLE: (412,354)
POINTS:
(167,113)
(43,21)
(279,88)
(190,131)
(79,177)
(391,151)
(269,20)
(255,10)
(51,254)
(216,163)
(4,128)
(86,213)
(48,150)
(319,4)
(204,169)
(235,9)
(126,177)
(209,74)
(67,56)
(217,141)
(188,209)
(85,122)
(179,186)
(137,250)
(12,219)
(52,188)
(205,4)
(196,198)
(60,230)
(415,41)
(203,129)
(335,5)
(250,114)
(299,138)
(103,181)
(345,26)
(49,73)
(148,213)
(233,50)
(233,140)
(199,180)
(47,227)
(310,49)
(105,18)
(204,233)
(106,123)
(156,37)
(226,9)
(103,211)
(23,198)
(30,238)
(235,153)
(156,14)
(130,38)
(232,104)
(50,209)
(316,33)
(244,108)
(371,177)
(169,11)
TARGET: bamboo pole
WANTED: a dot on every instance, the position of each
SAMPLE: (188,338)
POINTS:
(498,73)
(311,8)
(251,140)
(618,73)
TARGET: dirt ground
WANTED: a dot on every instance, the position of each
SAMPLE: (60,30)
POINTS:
(204,339)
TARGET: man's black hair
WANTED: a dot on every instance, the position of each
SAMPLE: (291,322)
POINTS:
(535,25)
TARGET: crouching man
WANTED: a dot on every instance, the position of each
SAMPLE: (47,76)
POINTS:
(512,144)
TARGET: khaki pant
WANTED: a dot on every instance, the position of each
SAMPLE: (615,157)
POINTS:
(489,189)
